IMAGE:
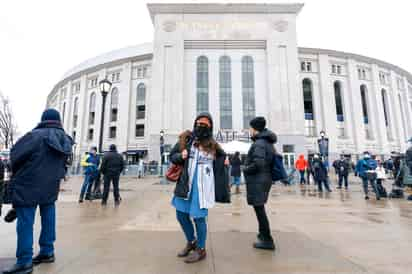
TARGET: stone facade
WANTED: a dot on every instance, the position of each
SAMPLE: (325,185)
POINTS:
(265,33)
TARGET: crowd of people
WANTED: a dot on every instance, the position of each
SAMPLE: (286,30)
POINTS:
(39,160)
(111,167)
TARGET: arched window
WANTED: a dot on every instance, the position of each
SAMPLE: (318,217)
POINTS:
(308,99)
(75,112)
(114,105)
(339,102)
(403,117)
(385,106)
(141,101)
(202,84)
(365,110)
(248,90)
(92,108)
(225,86)
(140,110)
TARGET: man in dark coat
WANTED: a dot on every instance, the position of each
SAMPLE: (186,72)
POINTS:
(38,160)
(320,173)
(235,172)
(112,167)
(258,176)
(343,167)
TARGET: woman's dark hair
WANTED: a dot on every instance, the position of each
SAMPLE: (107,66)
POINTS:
(209,145)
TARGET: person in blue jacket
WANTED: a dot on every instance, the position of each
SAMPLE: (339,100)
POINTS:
(90,163)
(38,164)
(365,169)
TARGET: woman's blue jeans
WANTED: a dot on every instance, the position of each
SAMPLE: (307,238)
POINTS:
(187,226)
(25,222)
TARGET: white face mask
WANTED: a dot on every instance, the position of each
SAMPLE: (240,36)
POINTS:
(366,156)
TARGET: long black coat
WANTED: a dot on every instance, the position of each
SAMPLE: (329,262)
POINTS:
(258,168)
(112,164)
(235,163)
(343,167)
(320,173)
(221,173)
(38,162)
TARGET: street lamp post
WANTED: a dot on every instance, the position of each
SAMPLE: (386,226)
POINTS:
(105,86)
(323,143)
(162,144)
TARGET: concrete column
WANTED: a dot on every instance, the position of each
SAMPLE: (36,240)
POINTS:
(378,113)
(328,104)
(394,103)
(358,128)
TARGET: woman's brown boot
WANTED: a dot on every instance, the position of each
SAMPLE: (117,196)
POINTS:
(190,246)
(196,256)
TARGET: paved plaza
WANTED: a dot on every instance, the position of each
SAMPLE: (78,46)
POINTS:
(315,233)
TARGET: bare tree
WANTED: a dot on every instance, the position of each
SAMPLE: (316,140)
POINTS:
(8,126)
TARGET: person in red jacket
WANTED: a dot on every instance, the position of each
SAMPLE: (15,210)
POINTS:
(301,165)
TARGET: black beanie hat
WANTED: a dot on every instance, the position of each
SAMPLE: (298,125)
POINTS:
(50,115)
(258,123)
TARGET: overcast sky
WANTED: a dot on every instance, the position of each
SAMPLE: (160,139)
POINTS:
(40,40)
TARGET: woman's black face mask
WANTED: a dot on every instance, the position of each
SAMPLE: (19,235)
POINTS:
(202,132)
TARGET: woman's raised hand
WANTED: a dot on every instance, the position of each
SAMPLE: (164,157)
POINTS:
(184,154)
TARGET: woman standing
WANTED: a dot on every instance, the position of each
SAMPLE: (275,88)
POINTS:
(204,181)
(258,176)
(235,163)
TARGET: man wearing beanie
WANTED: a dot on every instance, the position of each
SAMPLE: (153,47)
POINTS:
(38,162)
(112,167)
(258,176)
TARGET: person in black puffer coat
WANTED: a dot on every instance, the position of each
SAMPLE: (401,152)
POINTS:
(258,176)
(112,167)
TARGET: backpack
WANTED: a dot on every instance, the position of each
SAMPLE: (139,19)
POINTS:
(278,169)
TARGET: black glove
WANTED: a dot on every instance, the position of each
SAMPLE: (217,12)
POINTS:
(11,216)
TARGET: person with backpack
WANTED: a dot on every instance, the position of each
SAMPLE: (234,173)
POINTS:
(111,168)
(320,173)
(258,176)
(38,160)
(203,181)
(235,172)
(301,165)
(365,168)
(343,167)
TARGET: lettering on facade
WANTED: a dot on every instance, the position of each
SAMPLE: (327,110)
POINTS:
(225,136)
(214,26)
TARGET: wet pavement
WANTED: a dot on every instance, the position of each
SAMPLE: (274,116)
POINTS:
(315,233)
